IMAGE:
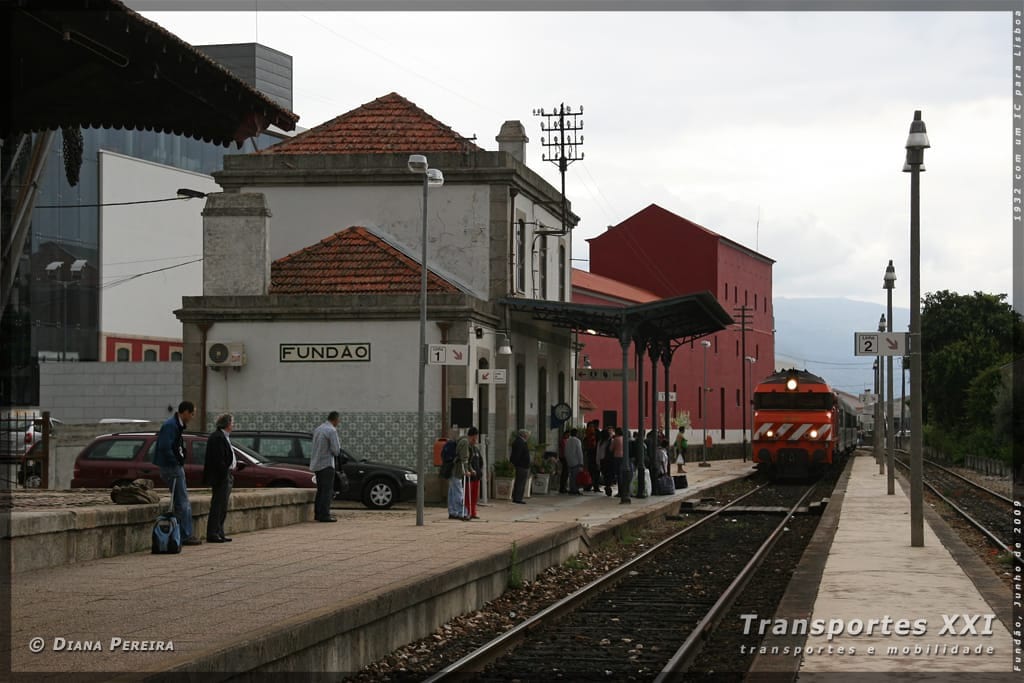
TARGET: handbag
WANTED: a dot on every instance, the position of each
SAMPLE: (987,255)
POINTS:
(583,479)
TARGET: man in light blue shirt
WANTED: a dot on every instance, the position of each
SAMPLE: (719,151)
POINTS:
(326,447)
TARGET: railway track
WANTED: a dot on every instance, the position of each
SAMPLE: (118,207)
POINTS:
(648,618)
(989,512)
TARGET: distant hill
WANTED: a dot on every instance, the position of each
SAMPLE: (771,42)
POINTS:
(817,335)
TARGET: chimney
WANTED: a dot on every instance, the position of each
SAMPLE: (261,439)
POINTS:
(512,139)
(236,244)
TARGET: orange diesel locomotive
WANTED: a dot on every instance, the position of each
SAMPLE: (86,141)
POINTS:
(800,425)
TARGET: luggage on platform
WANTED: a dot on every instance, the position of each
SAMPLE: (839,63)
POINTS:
(680,481)
(167,531)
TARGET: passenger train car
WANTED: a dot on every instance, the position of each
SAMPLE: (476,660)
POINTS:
(801,426)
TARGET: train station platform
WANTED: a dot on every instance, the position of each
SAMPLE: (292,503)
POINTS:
(308,596)
(882,606)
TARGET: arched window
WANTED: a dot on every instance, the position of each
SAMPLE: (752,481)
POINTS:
(123,355)
(175,355)
(149,355)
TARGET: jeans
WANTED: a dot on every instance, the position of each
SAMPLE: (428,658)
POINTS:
(175,478)
(456,497)
(324,493)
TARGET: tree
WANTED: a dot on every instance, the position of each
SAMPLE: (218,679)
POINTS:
(962,337)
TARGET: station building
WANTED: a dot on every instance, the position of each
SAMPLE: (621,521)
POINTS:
(311,284)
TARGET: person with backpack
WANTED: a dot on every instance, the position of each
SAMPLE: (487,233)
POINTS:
(170,458)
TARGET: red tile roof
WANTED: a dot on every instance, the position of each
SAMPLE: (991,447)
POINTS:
(352,261)
(389,124)
(606,286)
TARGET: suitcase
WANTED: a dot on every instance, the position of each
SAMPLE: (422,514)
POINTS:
(167,532)
(680,481)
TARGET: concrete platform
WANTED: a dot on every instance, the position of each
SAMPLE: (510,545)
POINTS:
(309,596)
(922,609)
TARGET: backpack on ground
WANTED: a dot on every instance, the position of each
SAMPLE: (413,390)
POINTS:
(167,531)
(448,456)
(138,492)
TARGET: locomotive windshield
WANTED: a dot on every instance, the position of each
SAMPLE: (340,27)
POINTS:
(800,401)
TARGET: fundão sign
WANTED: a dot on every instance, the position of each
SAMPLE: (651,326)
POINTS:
(340,352)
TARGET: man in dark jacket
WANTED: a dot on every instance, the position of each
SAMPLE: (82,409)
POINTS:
(170,458)
(217,474)
(520,459)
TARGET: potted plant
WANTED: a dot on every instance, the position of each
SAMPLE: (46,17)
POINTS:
(542,468)
(504,475)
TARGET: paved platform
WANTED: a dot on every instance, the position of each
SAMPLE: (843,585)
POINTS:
(310,596)
(887,607)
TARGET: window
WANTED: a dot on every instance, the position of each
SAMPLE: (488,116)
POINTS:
(520,396)
(116,449)
(725,296)
(561,273)
(124,354)
(735,294)
(746,295)
(198,452)
(149,355)
(561,387)
(542,267)
(738,400)
(737,348)
(542,396)
(521,255)
(755,301)
(175,355)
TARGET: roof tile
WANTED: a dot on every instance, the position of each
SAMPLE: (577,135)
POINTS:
(388,124)
(351,261)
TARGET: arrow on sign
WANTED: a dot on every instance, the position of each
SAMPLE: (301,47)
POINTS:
(892,343)
(457,355)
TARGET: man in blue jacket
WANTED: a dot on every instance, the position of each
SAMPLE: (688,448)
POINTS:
(170,458)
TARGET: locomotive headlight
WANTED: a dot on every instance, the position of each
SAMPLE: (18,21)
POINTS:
(791,384)
(770,433)
(814,433)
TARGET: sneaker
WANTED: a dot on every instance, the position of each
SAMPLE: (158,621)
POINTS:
(192,540)
(329,519)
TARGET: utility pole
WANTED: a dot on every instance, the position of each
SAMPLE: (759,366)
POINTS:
(561,137)
(744,318)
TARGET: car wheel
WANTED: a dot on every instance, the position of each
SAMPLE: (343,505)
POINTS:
(379,494)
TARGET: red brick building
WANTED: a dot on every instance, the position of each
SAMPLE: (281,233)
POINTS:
(656,254)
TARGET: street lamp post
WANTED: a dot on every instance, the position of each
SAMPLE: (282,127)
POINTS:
(431,178)
(880,407)
(917,143)
(750,383)
(888,282)
(704,407)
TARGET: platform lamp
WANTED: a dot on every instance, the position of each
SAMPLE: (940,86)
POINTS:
(431,178)
(917,143)
(888,282)
(880,406)
(704,407)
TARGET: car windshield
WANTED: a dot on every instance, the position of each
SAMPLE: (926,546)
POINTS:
(252,454)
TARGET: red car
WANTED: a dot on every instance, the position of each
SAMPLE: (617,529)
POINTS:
(119,458)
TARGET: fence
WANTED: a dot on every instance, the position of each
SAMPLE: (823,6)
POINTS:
(977,463)
(13,425)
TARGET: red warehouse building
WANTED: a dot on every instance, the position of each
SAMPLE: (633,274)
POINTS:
(656,254)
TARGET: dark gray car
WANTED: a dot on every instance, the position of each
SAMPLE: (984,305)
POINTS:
(377,485)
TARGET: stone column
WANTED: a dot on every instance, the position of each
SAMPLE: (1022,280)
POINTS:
(236,245)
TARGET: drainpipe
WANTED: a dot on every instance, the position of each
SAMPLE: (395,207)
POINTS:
(204,329)
(512,192)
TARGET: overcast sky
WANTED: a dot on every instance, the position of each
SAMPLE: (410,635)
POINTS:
(783,131)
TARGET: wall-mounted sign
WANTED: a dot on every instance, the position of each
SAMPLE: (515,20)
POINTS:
(488,376)
(340,352)
(447,354)
(671,396)
(603,374)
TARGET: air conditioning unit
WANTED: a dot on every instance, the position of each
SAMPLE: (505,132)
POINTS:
(225,354)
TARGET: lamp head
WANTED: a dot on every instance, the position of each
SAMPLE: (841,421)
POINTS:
(434,177)
(918,138)
(705,343)
(889,281)
(505,349)
(190,194)
(417,163)
(53,266)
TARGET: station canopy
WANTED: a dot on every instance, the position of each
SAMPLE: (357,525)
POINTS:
(680,318)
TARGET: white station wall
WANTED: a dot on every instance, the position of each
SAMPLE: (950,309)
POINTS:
(137,239)
(387,382)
